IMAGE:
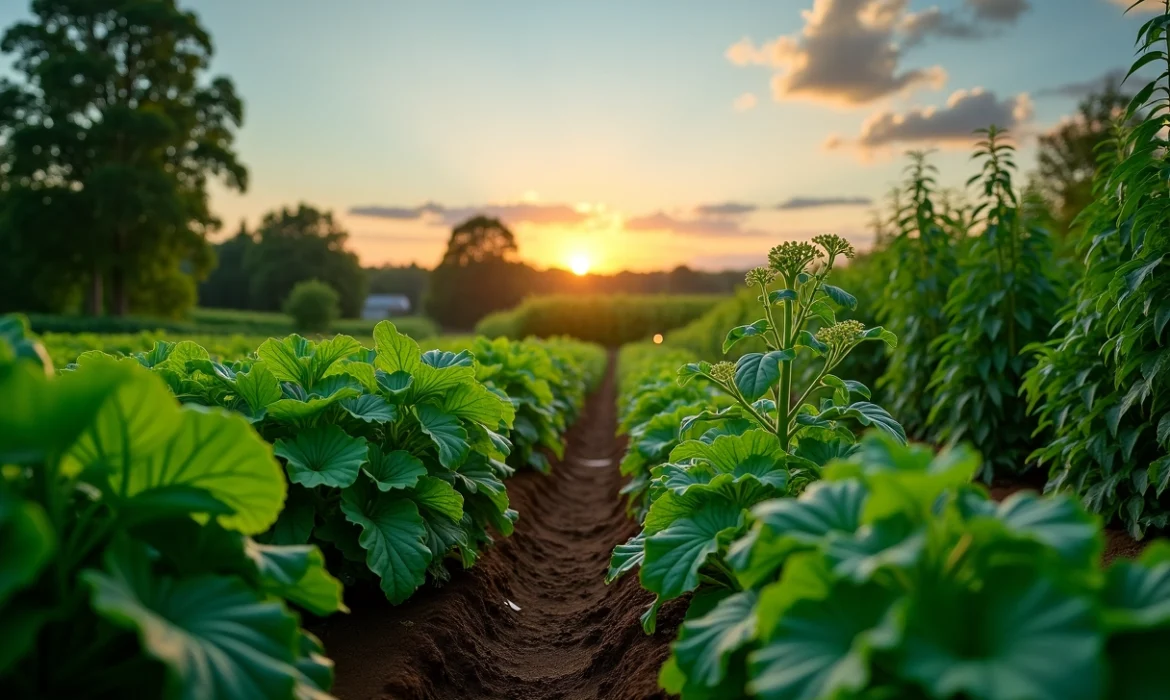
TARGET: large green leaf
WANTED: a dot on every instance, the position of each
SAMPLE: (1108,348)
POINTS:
(258,388)
(393,535)
(393,470)
(323,456)
(327,353)
(216,637)
(288,358)
(820,642)
(292,410)
(27,542)
(727,452)
(137,418)
(44,414)
(446,432)
(675,553)
(1019,636)
(371,408)
(626,557)
(705,643)
(1056,521)
(756,373)
(1137,593)
(296,574)
(473,401)
(437,496)
(396,352)
(162,460)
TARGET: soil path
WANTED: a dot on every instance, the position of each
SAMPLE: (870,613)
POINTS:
(534,619)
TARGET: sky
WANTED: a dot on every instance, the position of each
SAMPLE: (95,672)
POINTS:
(633,135)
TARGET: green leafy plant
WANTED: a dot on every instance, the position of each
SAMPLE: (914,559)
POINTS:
(546,386)
(1103,385)
(127,563)
(922,267)
(756,442)
(394,456)
(1004,298)
(313,305)
(895,577)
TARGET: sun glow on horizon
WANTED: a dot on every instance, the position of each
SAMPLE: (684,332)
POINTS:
(580,264)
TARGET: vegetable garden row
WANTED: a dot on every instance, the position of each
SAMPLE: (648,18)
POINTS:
(159,549)
(819,564)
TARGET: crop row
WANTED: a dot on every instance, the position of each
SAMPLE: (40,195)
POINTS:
(167,548)
(821,565)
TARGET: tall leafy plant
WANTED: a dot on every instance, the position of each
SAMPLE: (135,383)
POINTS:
(1004,298)
(128,566)
(1103,385)
(766,437)
(922,266)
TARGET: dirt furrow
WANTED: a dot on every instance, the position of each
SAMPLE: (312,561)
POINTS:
(534,619)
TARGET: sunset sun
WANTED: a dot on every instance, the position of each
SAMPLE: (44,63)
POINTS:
(580,264)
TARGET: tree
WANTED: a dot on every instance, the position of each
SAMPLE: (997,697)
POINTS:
(109,140)
(1067,157)
(228,286)
(479,240)
(477,275)
(293,246)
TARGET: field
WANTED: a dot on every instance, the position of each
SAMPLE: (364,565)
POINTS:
(935,469)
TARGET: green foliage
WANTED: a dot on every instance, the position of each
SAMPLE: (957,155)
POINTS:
(313,305)
(704,336)
(395,457)
(611,320)
(127,565)
(546,383)
(726,437)
(1102,386)
(922,266)
(292,246)
(478,274)
(1004,298)
(895,577)
(112,129)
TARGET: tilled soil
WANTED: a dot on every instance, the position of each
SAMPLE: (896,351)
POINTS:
(533,620)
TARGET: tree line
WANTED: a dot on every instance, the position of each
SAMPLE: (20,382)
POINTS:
(113,128)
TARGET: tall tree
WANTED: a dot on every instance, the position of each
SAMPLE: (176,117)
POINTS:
(477,275)
(1066,161)
(109,138)
(479,239)
(302,244)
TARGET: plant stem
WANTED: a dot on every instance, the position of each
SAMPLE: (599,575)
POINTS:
(783,401)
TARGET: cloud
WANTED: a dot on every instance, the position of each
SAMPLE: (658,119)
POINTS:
(847,54)
(815,202)
(521,212)
(744,102)
(976,19)
(725,209)
(999,10)
(1083,88)
(715,226)
(964,112)
(850,51)
(1152,6)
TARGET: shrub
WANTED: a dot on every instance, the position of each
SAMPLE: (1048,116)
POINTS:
(607,319)
(313,305)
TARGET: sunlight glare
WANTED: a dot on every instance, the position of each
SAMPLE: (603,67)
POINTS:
(580,264)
